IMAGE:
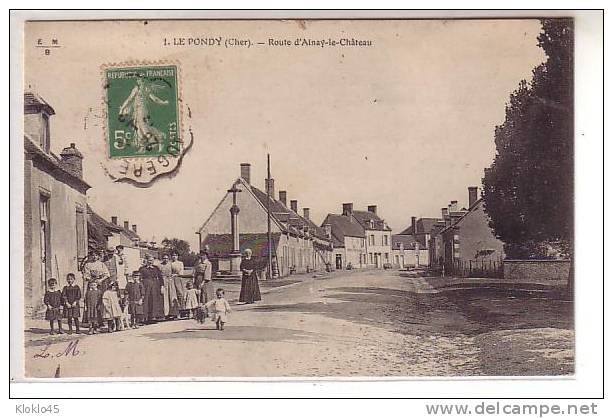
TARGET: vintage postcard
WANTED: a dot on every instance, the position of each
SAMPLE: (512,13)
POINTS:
(364,198)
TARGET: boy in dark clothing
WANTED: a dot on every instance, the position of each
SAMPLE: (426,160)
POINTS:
(134,290)
(93,300)
(71,298)
(53,302)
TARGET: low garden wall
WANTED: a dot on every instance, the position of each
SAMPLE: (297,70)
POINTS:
(553,272)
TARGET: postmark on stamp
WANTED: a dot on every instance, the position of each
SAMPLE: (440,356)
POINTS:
(144,137)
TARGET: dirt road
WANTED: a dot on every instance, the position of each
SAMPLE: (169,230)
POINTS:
(370,323)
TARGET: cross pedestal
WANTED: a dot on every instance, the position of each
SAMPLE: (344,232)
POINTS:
(235,254)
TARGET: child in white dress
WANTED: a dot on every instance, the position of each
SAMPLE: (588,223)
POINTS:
(112,310)
(191,300)
(219,309)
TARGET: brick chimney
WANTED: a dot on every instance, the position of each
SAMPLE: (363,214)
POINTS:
(472,196)
(270,187)
(348,210)
(306,213)
(283,197)
(134,229)
(372,209)
(126,225)
(246,172)
(294,205)
(453,206)
(445,214)
(114,220)
(413,226)
(71,160)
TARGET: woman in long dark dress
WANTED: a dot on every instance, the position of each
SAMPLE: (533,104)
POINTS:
(250,288)
(153,302)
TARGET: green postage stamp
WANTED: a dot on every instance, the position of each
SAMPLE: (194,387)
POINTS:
(143,120)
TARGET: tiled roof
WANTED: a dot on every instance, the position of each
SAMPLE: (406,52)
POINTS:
(342,226)
(285,215)
(408,241)
(459,216)
(32,102)
(437,228)
(98,229)
(103,228)
(52,165)
(221,244)
(131,234)
(422,225)
(365,218)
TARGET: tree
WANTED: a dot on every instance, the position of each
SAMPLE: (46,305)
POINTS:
(528,190)
(181,247)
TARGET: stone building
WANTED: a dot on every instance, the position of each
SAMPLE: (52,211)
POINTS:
(348,240)
(468,243)
(412,244)
(378,236)
(55,206)
(361,238)
(407,252)
(240,221)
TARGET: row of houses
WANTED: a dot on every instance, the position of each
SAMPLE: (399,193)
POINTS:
(460,242)
(347,240)
(60,227)
(351,239)
(240,221)
(360,238)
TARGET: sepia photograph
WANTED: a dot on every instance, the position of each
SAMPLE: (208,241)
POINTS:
(298,198)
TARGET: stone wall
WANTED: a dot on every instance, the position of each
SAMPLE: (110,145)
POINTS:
(554,272)
(64,201)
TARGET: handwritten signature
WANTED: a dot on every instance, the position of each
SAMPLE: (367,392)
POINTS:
(70,350)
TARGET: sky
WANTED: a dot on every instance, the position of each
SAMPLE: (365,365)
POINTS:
(406,124)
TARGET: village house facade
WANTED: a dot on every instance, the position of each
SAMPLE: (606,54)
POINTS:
(55,206)
(348,240)
(378,237)
(407,252)
(361,238)
(411,246)
(467,242)
(240,221)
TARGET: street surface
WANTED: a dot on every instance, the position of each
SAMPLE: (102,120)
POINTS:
(357,323)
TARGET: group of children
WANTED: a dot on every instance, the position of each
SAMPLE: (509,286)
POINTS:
(119,309)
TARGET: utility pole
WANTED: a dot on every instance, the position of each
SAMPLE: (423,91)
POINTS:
(268,182)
